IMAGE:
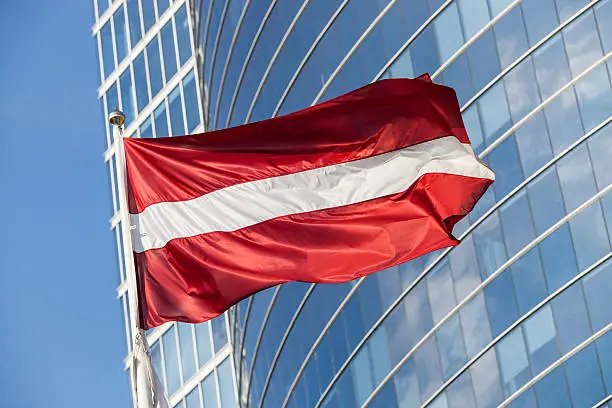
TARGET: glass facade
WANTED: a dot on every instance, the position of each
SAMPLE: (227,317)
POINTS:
(516,315)
(148,70)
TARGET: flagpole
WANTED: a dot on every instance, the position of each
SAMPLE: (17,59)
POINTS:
(142,377)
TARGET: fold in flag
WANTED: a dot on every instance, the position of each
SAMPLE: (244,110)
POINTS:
(327,194)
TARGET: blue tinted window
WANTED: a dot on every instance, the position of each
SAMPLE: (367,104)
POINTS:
(428,367)
(582,43)
(419,315)
(600,148)
(127,97)
(475,15)
(187,351)
(501,303)
(522,90)
(460,392)
(584,378)
(515,217)
(193,399)
(120,34)
(209,391)
(558,258)
(471,119)
(134,20)
(190,93)
(407,385)
(108,59)
(475,324)
(511,37)
(504,160)
(155,73)
(576,177)
(604,351)
(465,268)
(551,66)
(489,245)
(540,18)
(483,60)
(497,6)
(171,360)
(226,384)
(203,340)
(594,97)
(597,286)
(369,299)
(540,336)
(526,400)
(486,381)
(440,289)
(451,347)
(161,121)
(219,332)
(157,362)
(402,66)
(182,34)
(571,317)
(424,52)
(140,82)
(112,98)
(552,391)
(513,362)
(533,133)
(169,51)
(603,13)
(494,112)
(176,112)
(162,6)
(568,7)
(563,120)
(457,76)
(448,32)
(546,201)
(361,370)
(146,130)
(589,236)
(529,282)
(148,14)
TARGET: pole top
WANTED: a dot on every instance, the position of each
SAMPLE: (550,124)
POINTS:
(116,118)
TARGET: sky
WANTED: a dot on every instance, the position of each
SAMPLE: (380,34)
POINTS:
(61,340)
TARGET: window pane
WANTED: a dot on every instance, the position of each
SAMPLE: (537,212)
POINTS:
(161,120)
(460,393)
(219,332)
(604,351)
(589,235)
(187,351)
(511,37)
(571,317)
(203,341)
(529,282)
(465,268)
(134,19)
(486,381)
(407,386)
(112,99)
(428,368)
(475,15)
(171,360)
(169,51)
(533,133)
(182,35)
(155,73)
(552,390)
(501,304)
(594,97)
(440,289)
(162,6)
(489,245)
(576,177)
(120,34)
(540,18)
(516,221)
(148,14)
(600,147)
(522,90)
(546,200)
(127,97)
(209,391)
(190,94)
(584,378)
(448,32)
(513,361)
(450,345)
(475,324)
(193,399)
(157,361)
(176,112)
(146,130)
(558,258)
(226,385)
(504,161)
(563,120)
(494,112)
(541,338)
(106,40)
(597,286)
(140,82)
(551,66)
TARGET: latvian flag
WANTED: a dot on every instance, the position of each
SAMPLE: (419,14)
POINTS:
(327,194)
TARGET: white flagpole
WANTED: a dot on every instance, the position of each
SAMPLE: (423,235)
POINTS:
(146,389)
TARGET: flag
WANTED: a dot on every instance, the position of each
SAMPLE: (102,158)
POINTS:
(327,194)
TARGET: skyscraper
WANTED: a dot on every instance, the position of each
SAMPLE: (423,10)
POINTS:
(148,70)
(517,314)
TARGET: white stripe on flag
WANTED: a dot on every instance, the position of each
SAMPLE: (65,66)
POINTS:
(246,204)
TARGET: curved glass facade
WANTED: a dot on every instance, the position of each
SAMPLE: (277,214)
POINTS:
(519,313)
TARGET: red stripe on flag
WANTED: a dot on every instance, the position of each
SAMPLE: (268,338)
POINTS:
(384,116)
(197,278)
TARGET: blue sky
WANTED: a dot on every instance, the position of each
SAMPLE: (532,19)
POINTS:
(61,341)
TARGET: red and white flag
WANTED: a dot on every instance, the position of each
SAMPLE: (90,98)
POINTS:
(327,194)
